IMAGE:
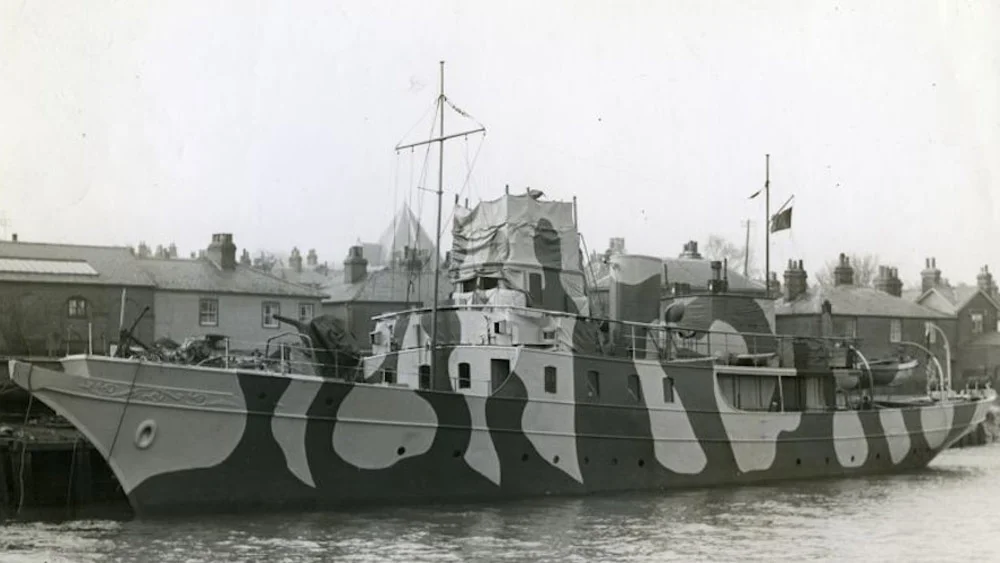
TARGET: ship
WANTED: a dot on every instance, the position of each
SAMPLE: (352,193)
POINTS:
(516,387)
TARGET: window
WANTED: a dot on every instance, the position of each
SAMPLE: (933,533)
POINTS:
(550,379)
(668,389)
(845,327)
(425,376)
(977,322)
(464,376)
(895,330)
(76,308)
(306,312)
(499,372)
(593,384)
(634,389)
(208,312)
(268,310)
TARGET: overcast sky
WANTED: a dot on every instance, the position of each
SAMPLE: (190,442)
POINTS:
(276,121)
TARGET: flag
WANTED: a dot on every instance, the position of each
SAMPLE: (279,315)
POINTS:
(756,193)
(782,220)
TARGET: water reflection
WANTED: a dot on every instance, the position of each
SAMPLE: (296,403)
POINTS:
(940,514)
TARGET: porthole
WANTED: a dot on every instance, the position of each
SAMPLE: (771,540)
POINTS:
(798,461)
(400,450)
(524,457)
(145,434)
(555,459)
(456,453)
(642,462)
(614,461)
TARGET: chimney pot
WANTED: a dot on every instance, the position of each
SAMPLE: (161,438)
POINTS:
(13,237)
(355,266)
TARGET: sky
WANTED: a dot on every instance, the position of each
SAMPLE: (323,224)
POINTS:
(276,121)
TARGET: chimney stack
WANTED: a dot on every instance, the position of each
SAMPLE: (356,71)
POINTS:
(691,250)
(311,259)
(795,280)
(616,245)
(773,285)
(13,237)
(843,274)
(295,260)
(887,281)
(985,282)
(245,258)
(930,277)
(355,266)
(222,251)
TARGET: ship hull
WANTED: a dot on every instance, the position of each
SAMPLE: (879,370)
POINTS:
(187,440)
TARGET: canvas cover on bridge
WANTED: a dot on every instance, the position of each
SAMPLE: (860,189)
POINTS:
(510,238)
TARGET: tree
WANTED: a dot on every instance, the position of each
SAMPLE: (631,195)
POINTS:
(718,248)
(865,270)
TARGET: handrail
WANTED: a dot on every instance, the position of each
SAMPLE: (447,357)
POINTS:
(563,314)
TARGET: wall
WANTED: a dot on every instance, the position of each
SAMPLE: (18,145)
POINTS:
(240,316)
(34,317)
(874,334)
(979,303)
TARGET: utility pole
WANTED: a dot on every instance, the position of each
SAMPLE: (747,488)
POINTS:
(746,249)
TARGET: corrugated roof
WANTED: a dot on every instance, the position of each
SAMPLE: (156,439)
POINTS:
(202,275)
(114,265)
(855,301)
(393,286)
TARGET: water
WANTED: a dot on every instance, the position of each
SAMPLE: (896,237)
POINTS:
(947,512)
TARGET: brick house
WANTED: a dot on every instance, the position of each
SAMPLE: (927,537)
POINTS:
(214,294)
(58,299)
(878,316)
(975,343)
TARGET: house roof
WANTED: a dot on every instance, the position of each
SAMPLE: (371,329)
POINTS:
(695,273)
(957,297)
(308,276)
(855,301)
(68,263)
(392,286)
(201,274)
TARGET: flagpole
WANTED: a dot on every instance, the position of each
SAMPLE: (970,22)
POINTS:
(767,226)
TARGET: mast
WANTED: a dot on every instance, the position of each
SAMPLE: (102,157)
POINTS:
(441,138)
(437,231)
(767,223)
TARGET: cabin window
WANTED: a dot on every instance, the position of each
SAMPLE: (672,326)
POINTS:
(306,312)
(76,308)
(634,389)
(425,376)
(388,376)
(977,322)
(208,312)
(668,389)
(548,335)
(268,310)
(375,337)
(464,376)
(550,379)
(593,384)
(895,330)
(500,327)
(499,371)
(754,392)
(489,283)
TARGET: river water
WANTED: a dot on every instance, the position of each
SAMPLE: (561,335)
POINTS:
(947,512)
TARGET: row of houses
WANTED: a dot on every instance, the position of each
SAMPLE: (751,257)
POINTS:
(57,299)
(883,317)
